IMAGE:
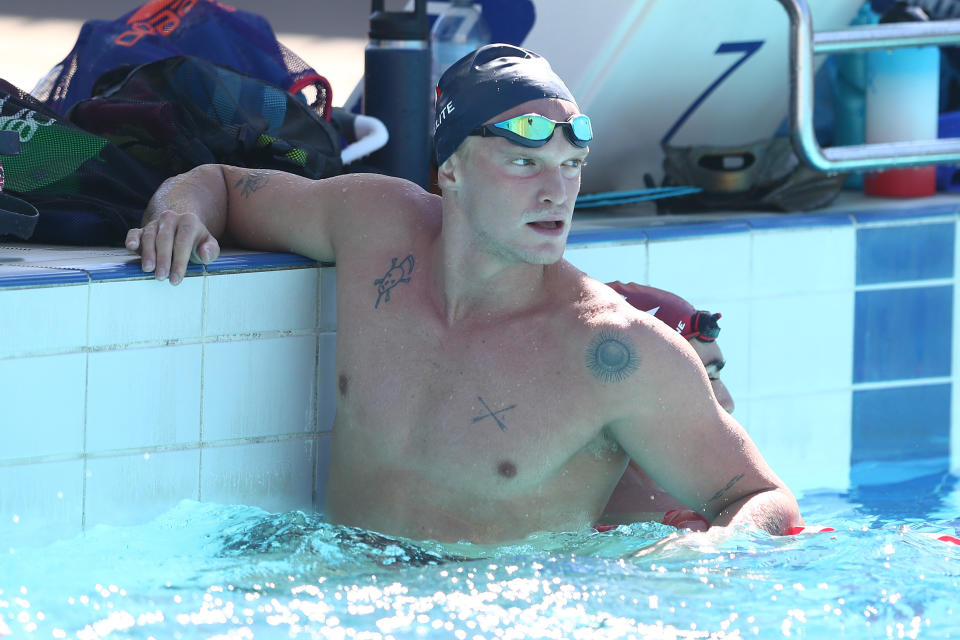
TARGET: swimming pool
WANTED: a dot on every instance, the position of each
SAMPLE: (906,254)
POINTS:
(837,327)
(204,570)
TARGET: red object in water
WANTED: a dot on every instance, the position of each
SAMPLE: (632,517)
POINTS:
(914,182)
(942,537)
(792,531)
(686,519)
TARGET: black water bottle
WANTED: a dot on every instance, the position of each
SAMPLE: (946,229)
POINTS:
(396,90)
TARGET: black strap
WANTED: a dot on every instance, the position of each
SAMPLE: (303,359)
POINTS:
(17,217)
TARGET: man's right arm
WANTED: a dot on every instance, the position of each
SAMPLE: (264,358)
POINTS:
(259,209)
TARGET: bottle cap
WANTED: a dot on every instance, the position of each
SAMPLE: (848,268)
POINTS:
(399,25)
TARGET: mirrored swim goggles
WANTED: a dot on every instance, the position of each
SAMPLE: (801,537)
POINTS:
(533,130)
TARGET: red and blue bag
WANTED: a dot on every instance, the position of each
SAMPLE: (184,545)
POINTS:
(207,29)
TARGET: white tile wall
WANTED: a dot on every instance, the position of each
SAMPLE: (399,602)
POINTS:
(40,503)
(135,488)
(41,405)
(259,387)
(328,299)
(702,268)
(327,381)
(43,319)
(276,476)
(144,397)
(801,343)
(627,263)
(803,260)
(320,478)
(261,301)
(806,439)
(134,311)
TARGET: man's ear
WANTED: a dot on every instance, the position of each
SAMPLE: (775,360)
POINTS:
(448,173)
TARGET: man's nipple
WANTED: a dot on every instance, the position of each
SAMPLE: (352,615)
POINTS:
(507,469)
(343,383)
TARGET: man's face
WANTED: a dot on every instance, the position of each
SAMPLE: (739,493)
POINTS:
(712,359)
(518,201)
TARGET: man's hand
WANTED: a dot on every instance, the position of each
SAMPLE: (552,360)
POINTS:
(168,242)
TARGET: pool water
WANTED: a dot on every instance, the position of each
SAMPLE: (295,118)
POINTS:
(204,570)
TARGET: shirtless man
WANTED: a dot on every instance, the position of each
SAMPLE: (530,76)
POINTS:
(488,389)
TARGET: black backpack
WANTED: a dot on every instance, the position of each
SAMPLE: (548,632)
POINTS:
(177,113)
(92,176)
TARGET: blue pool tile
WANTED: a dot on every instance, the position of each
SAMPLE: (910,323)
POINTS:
(901,423)
(128,271)
(782,221)
(672,231)
(611,234)
(902,333)
(259,261)
(31,276)
(904,253)
(905,213)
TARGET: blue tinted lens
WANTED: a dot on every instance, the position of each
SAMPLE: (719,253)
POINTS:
(582,128)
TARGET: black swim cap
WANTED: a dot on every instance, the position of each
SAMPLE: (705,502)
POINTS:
(485,82)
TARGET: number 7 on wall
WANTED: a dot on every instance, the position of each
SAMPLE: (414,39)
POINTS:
(746,49)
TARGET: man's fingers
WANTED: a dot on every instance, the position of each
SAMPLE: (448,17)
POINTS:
(168,243)
(208,250)
(148,247)
(166,233)
(190,238)
(133,239)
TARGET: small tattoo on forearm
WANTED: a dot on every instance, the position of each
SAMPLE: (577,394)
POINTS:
(253,181)
(493,414)
(398,272)
(611,357)
(730,484)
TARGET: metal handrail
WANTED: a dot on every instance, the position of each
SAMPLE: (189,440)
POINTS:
(804,44)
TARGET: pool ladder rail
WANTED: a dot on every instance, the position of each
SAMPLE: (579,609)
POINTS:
(805,43)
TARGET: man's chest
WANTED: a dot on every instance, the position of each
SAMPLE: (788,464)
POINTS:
(507,403)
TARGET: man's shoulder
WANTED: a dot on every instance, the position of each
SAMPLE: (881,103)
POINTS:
(599,307)
(381,194)
(607,326)
(374,206)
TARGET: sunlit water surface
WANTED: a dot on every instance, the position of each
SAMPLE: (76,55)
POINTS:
(213,571)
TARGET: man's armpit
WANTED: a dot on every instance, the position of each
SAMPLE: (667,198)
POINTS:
(612,356)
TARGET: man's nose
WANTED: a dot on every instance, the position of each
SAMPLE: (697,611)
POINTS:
(553,188)
(723,395)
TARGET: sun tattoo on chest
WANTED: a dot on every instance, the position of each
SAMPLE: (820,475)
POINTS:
(612,357)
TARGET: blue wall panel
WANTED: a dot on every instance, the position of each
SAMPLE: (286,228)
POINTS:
(901,423)
(905,253)
(902,333)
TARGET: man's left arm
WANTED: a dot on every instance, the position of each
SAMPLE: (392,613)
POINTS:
(678,433)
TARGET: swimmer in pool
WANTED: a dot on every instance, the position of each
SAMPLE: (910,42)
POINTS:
(487,388)
(637,497)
